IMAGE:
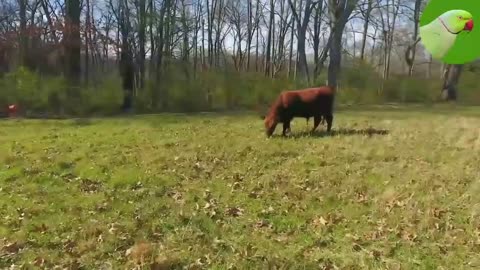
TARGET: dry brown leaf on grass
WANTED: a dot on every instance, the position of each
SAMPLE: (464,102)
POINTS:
(362,198)
(262,224)
(438,213)
(113,228)
(269,210)
(331,219)
(164,263)
(235,186)
(376,254)
(41,229)
(139,252)
(234,211)
(357,247)
(39,262)
(13,247)
(320,221)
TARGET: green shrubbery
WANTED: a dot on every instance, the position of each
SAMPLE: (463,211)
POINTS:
(213,90)
(36,95)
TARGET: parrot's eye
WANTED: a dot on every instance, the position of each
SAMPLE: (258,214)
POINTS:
(460,17)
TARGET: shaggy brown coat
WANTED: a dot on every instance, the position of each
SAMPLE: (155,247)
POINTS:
(311,102)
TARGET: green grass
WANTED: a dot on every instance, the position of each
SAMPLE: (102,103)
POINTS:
(392,188)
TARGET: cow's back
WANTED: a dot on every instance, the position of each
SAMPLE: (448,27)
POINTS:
(307,102)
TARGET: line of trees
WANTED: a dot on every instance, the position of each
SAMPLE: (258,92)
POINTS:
(153,45)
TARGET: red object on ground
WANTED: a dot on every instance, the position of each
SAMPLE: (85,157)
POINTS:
(12,110)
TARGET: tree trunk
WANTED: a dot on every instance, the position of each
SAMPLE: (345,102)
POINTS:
(249,32)
(450,83)
(302,27)
(429,68)
(87,42)
(185,45)
(340,12)
(269,40)
(292,36)
(317,26)
(153,46)
(126,59)
(203,43)
(49,19)
(210,17)
(23,34)
(390,36)
(142,39)
(72,45)
(416,21)
(257,44)
(198,13)
(274,50)
(72,41)
(218,31)
(365,28)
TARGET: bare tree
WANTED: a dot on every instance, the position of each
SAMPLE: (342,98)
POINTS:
(72,41)
(416,21)
(237,16)
(258,15)
(388,20)
(250,31)
(340,11)
(126,58)
(366,16)
(23,33)
(142,39)
(87,40)
(292,37)
(302,24)
(268,54)
(317,27)
(283,26)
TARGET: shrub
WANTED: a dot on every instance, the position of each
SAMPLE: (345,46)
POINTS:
(179,89)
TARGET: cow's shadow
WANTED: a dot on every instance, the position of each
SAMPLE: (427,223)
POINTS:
(335,132)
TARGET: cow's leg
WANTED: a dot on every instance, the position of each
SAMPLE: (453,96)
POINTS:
(329,119)
(316,122)
(286,126)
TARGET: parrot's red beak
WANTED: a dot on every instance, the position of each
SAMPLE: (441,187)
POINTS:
(469,25)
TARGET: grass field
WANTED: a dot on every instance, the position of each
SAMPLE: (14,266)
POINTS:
(388,189)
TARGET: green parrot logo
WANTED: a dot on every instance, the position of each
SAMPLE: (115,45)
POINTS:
(439,35)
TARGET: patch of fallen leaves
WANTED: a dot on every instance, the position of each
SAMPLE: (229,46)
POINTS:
(234,211)
(210,208)
(39,262)
(263,223)
(40,228)
(90,186)
(397,203)
(140,253)
(331,219)
(12,247)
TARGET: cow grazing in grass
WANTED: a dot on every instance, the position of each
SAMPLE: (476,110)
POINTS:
(311,102)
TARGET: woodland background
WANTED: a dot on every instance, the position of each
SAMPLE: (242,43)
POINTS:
(103,57)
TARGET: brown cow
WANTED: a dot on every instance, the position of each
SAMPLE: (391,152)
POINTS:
(311,102)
